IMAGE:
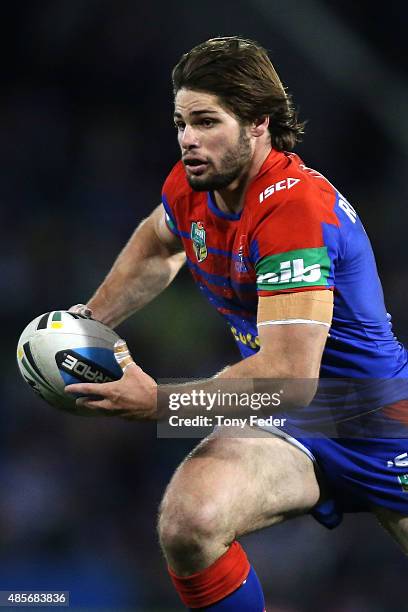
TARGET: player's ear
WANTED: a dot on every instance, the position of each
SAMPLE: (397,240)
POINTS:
(260,126)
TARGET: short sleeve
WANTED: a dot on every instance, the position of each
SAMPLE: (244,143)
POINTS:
(292,250)
(174,187)
(169,217)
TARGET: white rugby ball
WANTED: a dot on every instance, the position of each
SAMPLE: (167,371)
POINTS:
(59,348)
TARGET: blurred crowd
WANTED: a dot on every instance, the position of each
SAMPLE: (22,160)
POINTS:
(86,143)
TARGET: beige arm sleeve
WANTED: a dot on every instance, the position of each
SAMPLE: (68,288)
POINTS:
(299,307)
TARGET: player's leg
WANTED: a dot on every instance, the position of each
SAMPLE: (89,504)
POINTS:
(227,487)
(396,524)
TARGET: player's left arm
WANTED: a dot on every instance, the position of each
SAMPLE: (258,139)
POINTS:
(293,330)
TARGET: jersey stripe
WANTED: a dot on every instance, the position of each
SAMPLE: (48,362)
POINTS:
(222,302)
(219,281)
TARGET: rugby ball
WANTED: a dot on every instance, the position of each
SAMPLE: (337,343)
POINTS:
(60,348)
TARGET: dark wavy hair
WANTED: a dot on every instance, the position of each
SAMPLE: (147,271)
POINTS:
(241,74)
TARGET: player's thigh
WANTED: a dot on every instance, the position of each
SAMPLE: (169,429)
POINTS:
(396,524)
(249,480)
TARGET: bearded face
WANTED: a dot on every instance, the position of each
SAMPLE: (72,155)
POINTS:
(215,147)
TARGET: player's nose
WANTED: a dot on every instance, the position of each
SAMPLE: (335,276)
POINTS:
(189,138)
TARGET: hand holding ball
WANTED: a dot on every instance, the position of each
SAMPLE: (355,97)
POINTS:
(62,347)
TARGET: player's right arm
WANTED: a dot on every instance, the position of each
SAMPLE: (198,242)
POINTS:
(146,265)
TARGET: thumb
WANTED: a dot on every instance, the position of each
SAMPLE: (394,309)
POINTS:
(122,354)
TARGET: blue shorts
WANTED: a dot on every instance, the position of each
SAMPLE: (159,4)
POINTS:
(359,474)
(358,471)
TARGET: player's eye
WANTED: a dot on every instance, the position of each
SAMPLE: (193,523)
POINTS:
(179,125)
(206,122)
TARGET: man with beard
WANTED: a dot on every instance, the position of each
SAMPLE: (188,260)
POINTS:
(267,240)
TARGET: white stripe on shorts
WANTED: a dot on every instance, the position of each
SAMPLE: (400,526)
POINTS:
(282,434)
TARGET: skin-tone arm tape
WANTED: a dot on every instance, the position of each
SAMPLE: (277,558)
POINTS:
(301,307)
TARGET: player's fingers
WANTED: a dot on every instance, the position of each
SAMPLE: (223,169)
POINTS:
(98,389)
(81,309)
(122,354)
(99,407)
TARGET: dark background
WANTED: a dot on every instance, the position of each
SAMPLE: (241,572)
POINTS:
(86,142)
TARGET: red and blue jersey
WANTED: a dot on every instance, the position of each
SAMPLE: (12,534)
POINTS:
(296,232)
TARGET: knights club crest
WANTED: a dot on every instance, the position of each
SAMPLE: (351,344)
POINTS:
(198,239)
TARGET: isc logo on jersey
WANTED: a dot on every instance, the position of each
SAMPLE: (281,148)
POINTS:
(287,183)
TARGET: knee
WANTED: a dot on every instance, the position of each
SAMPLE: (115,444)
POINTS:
(187,524)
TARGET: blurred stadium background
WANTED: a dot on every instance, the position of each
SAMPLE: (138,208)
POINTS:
(86,142)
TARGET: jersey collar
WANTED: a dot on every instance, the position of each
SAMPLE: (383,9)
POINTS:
(212,205)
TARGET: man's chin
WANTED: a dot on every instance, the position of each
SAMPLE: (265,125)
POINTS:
(211,183)
(199,184)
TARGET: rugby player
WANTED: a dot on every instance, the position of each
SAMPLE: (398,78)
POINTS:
(283,256)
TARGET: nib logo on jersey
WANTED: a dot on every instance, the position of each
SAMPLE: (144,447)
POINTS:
(300,268)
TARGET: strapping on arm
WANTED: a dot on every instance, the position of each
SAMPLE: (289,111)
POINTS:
(312,307)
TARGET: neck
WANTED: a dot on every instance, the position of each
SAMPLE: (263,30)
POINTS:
(232,198)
